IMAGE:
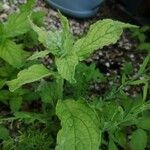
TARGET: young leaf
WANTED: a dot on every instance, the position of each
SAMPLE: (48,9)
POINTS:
(40,54)
(144,64)
(101,34)
(67,38)
(33,73)
(138,140)
(80,126)
(66,67)
(51,40)
(12,53)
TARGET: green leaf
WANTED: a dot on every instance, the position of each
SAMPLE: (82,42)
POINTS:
(145,91)
(47,92)
(121,138)
(40,54)
(4,133)
(6,70)
(138,140)
(32,74)
(102,33)
(144,46)
(4,96)
(51,40)
(12,53)
(2,83)
(27,7)
(17,24)
(127,68)
(144,64)
(67,38)
(38,17)
(66,67)
(30,117)
(80,126)
(15,103)
(50,92)
(112,145)
(144,123)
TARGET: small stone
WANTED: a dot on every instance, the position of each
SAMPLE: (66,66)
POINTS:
(6,7)
(107,64)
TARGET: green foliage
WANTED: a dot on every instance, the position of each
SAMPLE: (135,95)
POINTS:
(80,126)
(138,140)
(84,76)
(141,35)
(38,141)
(100,34)
(68,53)
(60,111)
(4,133)
(12,53)
(32,74)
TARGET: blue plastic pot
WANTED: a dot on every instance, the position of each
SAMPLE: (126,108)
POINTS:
(76,8)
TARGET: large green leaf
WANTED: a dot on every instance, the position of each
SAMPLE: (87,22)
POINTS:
(12,53)
(80,126)
(138,140)
(33,73)
(66,67)
(102,33)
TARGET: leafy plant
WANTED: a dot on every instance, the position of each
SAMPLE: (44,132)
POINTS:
(142,36)
(68,54)
(56,100)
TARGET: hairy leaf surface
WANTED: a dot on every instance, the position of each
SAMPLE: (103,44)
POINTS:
(80,126)
(102,33)
(66,67)
(34,73)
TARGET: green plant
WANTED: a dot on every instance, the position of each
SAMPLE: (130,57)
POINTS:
(14,50)
(74,114)
(61,92)
(142,35)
